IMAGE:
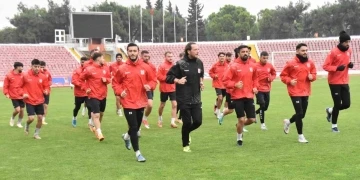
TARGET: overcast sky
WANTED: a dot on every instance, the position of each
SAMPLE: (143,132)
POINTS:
(8,7)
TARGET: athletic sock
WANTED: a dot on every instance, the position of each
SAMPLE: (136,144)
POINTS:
(301,136)
(19,120)
(172,120)
(160,118)
(217,110)
(239,137)
(74,118)
(330,110)
(12,117)
(137,153)
(99,131)
(334,125)
(144,117)
(126,136)
(37,131)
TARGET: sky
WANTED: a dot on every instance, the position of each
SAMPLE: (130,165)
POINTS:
(8,8)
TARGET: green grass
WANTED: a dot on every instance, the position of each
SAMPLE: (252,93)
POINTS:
(74,153)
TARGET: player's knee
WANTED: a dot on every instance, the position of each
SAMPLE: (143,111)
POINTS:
(241,120)
(220,98)
(174,106)
(162,105)
(251,120)
(96,115)
(31,118)
(346,105)
(17,109)
(300,116)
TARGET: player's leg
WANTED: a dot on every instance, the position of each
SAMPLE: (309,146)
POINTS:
(21,113)
(95,108)
(83,111)
(186,128)
(163,99)
(240,114)
(17,110)
(260,100)
(46,105)
(249,109)
(333,113)
(78,101)
(118,106)
(102,107)
(174,108)
(139,115)
(219,99)
(297,118)
(39,111)
(148,109)
(230,109)
(196,116)
(91,122)
(30,109)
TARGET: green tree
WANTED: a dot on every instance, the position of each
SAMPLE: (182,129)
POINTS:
(231,23)
(169,8)
(194,11)
(159,5)
(8,35)
(148,4)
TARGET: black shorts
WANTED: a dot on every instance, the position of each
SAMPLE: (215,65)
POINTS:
(220,92)
(150,94)
(228,100)
(164,96)
(244,105)
(34,109)
(18,103)
(80,100)
(262,97)
(47,99)
(96,105)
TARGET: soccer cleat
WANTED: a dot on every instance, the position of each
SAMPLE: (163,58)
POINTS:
(302,140)
(19,125)
(335,130)
(159,124)
(221,118)
(140,158)
(187,149)
(245,130)
(263,127)
(286,126)
(11,122)
(44,122)
(179,121)
(173,125)
(36,136)
(146,124)
(127,142)
(139,134)
(328,115)
(74,123)
(119,112)
(100,136)
(239,143)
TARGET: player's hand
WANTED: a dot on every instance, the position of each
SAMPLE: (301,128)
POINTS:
(182,80)
(123,94)
(239,85)
(202,87)
(25,96)
(293,82)
(216,76)
(88,91)
(147,87)
(103,80)
(310,76)
(7,96)
(340,68)
(255,90)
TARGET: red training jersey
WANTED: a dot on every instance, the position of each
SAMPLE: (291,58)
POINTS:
(131,78)
(88,63)
(114,66)
(265,74)
(334,59)
(161,77)
(76,81)
(93,75)
(241,71)
(216,72)
(34,85)
(294,69)
(252,60)
(48,77)
(12,85)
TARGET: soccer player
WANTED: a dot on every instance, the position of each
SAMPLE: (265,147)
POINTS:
(228,57)
(145,57)
(241,78)
(187,74)
(91,61)
(298,75)
(228,61)
(34,86)
(252,60)
(79,93)
(338,64)
(131,82)
(12,90)
(265,74)
(216,72)
(167,91)
(113,68)
(97,77)
(46,96)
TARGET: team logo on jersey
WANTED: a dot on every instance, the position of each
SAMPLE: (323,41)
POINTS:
(142,72)
(251,69)
(104,72)
(40,80)
(199,70)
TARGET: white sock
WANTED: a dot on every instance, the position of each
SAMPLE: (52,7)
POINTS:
(239,137)
(99,131)
(43,119)
(334,125)
(172,120)
(263,124)
(160,118)
(301,136)
(330,110)
(137,153)
(217,110)
(74,118)
(19,120)
(144,117)
(126,136)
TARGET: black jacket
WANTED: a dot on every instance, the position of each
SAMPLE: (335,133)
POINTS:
(193,69)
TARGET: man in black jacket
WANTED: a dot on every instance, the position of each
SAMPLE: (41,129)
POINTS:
(188,75)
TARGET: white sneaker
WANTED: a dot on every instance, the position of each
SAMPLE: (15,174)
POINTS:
(286,126)
(12,122)
(302,139)
(119,112)
(263,127)
(245,130)
(19,125)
